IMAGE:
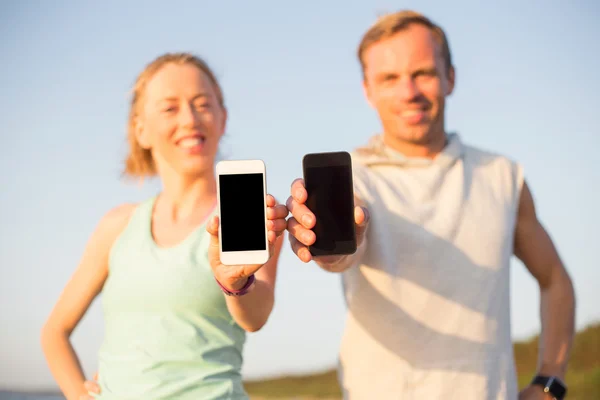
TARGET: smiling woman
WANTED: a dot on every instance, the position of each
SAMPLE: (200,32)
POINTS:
(171,330)
(157,104)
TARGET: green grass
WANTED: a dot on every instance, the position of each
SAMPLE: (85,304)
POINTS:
(583,376)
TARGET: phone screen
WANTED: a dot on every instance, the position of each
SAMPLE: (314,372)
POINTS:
(328,180)
(242,212)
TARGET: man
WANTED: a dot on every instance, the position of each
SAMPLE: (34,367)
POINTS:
(428,289)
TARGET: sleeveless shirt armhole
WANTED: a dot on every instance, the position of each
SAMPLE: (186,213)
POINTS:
(361,182)
(519,181)
(120,237)
(362,190)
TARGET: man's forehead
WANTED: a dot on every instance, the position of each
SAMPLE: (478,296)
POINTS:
(406,49)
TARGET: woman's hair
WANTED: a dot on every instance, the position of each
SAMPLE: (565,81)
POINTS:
(139,162)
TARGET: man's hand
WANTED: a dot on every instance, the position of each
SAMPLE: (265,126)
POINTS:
(303,220)
(234,277)
(534,392)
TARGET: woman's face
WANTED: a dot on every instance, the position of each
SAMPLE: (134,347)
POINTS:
(181,120)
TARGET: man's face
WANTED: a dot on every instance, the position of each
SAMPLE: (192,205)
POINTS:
(406,81)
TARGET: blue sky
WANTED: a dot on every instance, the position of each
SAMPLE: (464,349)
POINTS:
(527,86)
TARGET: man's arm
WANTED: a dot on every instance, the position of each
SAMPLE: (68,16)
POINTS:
(534,247)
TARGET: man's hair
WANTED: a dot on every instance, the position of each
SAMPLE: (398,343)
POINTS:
(390,24)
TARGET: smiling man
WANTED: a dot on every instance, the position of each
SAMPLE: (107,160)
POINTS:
(438,221)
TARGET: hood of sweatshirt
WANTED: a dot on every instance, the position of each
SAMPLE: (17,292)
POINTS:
(377,153)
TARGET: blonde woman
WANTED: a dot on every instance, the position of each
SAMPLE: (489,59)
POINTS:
(171,331)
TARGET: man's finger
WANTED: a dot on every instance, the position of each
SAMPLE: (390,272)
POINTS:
(298,191)
(301,213)
(361,217)
(300,250)
(303,235)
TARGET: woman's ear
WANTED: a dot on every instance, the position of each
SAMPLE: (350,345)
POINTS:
(140,134)
(224,127)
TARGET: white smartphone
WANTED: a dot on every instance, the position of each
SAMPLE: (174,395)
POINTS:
(242,202)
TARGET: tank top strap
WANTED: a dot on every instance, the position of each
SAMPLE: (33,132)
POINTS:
(136,230)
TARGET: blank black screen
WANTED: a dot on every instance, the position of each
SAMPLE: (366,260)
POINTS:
(330,198)
(242,212)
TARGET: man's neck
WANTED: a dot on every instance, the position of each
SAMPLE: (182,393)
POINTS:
(417,150)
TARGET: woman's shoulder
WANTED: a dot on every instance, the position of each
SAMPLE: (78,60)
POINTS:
(114,221)
(119,214)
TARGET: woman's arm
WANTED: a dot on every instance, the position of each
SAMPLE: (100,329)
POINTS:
(78,294)
(252,310)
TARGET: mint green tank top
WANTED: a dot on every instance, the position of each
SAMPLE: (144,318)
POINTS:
(168,332)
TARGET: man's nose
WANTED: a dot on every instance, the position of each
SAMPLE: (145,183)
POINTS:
(408,89)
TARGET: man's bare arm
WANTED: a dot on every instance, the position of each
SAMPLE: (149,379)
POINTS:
(534,247)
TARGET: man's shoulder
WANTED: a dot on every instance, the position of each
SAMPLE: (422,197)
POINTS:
(504,172)
(372,153)
(483,156)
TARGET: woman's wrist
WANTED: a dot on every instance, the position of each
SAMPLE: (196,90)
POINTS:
(238,288)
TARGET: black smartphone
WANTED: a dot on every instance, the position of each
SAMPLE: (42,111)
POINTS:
(330,188)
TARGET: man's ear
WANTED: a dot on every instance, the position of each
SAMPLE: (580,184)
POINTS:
(366,92)
(451,81)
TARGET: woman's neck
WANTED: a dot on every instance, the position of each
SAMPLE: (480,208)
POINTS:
(183,198)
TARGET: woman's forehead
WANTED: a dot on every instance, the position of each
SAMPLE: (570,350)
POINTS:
(177,80)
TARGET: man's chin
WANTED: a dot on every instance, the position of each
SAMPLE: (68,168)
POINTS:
(417,135)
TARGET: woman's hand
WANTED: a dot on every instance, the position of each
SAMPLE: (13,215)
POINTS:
(234,277)
(91,386)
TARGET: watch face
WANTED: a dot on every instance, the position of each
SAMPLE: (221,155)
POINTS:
(552,385)
(557,389)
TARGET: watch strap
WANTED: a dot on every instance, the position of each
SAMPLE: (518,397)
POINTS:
(552,385)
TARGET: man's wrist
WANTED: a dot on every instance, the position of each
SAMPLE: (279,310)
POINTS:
(556,370)
(552,385)
(334,265)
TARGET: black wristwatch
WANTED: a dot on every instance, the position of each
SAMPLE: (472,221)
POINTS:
(552,385)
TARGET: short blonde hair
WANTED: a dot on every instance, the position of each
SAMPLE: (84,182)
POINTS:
(139,162)
(390,24)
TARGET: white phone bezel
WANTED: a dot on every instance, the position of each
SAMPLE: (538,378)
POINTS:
(247,257)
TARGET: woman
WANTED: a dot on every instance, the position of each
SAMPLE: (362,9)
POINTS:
(170,330)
